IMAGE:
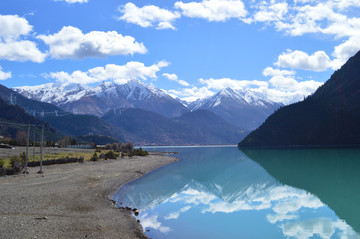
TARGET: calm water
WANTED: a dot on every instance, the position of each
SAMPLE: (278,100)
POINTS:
(221,192)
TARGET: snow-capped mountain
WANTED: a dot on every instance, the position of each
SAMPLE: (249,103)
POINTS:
(246,109)
(82,99)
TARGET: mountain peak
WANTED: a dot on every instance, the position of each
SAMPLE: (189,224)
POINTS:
(227,92)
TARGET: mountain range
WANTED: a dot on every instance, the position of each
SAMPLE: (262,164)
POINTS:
(329,117)
(82,99)
(244,109)
(125,124)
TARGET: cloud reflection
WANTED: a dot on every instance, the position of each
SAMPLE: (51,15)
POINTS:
(284,202)
(152,222)
(323,227)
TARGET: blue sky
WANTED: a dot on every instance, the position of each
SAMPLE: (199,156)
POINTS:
(191,49)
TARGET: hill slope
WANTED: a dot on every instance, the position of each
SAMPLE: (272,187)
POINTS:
(14,119)
(148,128)
(330,117)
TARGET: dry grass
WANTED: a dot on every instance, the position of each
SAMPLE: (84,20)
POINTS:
(49,153)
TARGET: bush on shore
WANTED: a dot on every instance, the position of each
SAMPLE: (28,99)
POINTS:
(95,157)
(111,155)
(138,152)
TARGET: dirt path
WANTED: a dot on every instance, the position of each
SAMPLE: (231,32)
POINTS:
(72,201)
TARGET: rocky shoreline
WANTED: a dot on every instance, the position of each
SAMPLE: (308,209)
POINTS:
(73,200)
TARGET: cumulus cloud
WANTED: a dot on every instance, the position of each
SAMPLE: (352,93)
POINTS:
(331,17)
(192,94)
(213,10)
(21,51)
(219,84)
(269,11)
(4,75)
(70,42)
(174,77)
(13,26)
(12,48)
(345,50)
(318,61)
(118,73)
(148,16)
(285,86)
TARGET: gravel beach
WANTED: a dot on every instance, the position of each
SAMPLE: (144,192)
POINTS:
(73,200)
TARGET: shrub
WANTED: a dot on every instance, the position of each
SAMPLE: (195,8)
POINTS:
(138,152)
(81,159)
(111,155)
(128,147)
(2,163)
(94,157)
(17,164)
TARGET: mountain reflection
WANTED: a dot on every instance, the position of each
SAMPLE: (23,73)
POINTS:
(223,181)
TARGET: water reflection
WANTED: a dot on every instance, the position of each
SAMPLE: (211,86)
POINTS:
(224,193)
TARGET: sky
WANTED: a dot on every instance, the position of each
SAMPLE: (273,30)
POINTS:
(190,49)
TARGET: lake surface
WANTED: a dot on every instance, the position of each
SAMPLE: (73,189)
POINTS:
(222,192)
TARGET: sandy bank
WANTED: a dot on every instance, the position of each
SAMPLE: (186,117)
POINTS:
(72,201)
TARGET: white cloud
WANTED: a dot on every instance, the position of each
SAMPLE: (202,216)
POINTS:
(318,61)
(269,11)
(12,48)
(118,73)
(269,71)
(148,16)
(329,17)
(345,50)
(70,42)
(213,10)
(223,83)
(285,87)
(21,51)
(72,1)
(13,26)
(174,77)
(192,94)
(4,75)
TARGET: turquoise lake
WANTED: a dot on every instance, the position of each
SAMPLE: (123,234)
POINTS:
(223,192)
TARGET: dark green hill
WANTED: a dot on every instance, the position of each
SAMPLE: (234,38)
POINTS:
(148,128)
(14,119)
(330,117)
